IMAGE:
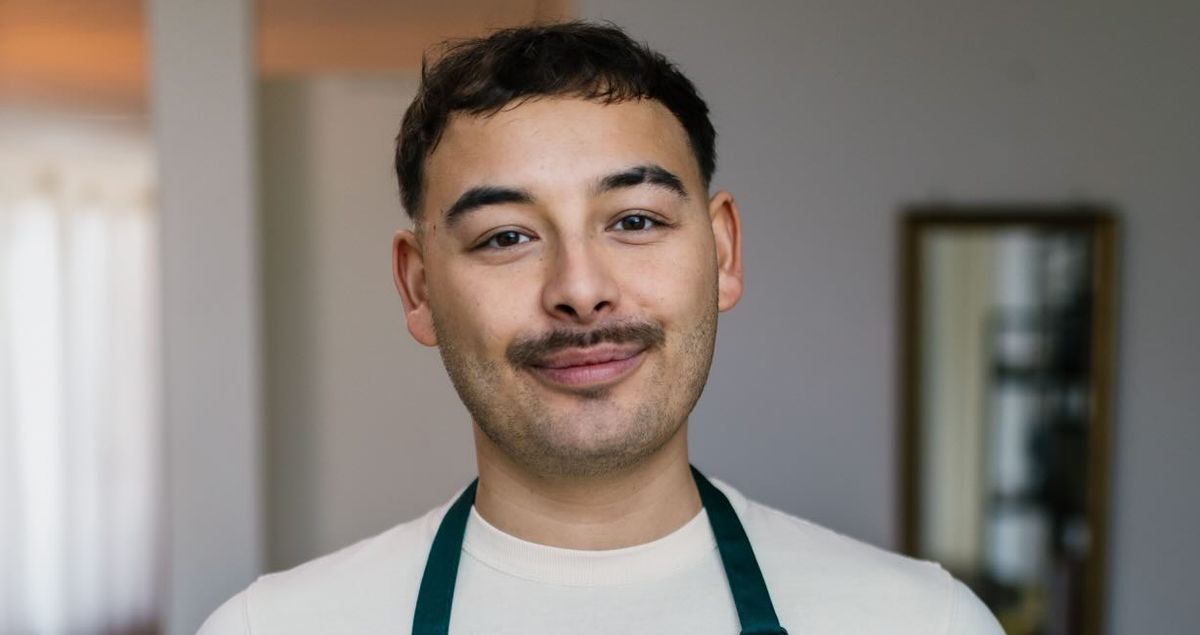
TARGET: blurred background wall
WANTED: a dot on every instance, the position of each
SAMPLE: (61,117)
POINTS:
(831,116)
(362,420)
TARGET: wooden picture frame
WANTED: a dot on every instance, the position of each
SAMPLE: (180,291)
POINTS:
(1099,223)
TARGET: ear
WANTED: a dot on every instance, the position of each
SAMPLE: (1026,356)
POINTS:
(408,271)
(727,236)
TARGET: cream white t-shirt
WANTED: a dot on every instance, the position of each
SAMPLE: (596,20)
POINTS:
(820,582)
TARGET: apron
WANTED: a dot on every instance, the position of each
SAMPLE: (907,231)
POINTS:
(756,613)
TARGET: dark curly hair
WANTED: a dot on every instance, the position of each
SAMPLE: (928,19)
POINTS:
(597,62)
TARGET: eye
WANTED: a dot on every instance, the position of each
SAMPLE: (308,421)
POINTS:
(635,222)
(505,239)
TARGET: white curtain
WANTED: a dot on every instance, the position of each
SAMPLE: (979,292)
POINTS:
(80,478)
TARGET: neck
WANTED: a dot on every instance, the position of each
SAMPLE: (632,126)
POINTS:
(632,507)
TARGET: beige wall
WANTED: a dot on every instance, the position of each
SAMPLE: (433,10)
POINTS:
(363,427)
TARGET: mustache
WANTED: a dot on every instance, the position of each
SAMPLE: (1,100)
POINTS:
(529,352)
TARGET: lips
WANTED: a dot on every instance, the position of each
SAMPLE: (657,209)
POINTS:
(589,367)
(588,356)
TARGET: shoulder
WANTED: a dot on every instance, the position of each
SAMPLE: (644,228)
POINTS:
(829,582)
(364,587)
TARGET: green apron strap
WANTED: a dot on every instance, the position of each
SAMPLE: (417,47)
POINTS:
(432,616)
(756,612)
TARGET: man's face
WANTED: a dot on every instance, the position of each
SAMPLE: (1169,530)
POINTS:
(570,267)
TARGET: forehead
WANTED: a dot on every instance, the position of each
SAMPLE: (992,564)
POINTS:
(555,144)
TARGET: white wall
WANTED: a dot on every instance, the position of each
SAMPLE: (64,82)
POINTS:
(201,102)
(832,114)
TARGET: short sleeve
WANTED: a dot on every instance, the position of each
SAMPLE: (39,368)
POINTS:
(229,619)
(968,615)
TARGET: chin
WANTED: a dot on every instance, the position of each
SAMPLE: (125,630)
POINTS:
(582,446)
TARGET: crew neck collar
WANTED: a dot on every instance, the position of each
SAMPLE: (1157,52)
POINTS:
(578,567)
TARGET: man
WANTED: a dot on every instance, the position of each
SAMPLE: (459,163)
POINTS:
(569,263)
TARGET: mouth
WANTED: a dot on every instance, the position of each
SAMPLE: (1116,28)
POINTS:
(589,368)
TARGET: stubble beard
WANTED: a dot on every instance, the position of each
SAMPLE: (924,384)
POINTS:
(597,436)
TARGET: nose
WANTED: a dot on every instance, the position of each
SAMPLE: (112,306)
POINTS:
(580,286)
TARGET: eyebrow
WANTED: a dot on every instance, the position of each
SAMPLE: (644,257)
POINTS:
(649,174)
(482,196)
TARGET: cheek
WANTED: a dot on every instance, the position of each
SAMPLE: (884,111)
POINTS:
(673,283)
(482,308)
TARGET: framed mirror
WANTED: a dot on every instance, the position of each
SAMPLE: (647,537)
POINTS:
(1005,373)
